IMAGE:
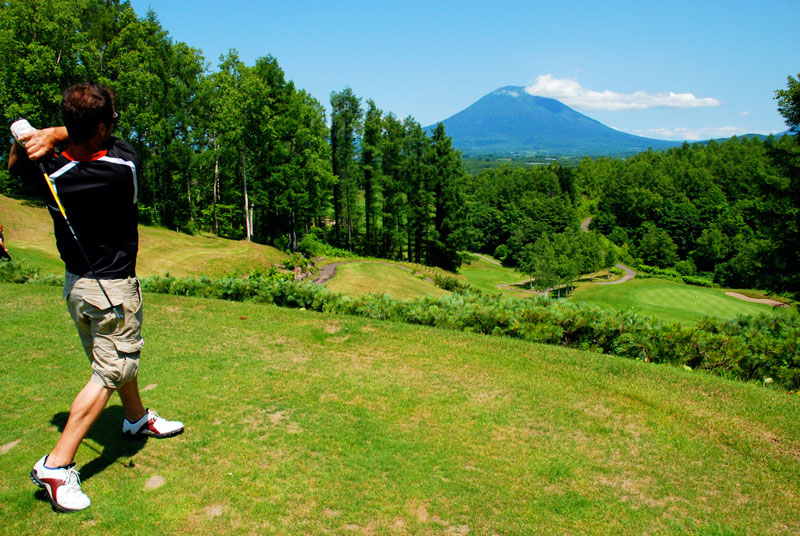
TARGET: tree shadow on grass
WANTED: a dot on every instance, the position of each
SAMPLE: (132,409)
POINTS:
(107,432)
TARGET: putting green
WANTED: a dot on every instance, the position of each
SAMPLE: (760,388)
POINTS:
(670,301)
(690,299)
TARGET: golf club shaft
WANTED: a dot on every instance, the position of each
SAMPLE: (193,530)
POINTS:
(75,236)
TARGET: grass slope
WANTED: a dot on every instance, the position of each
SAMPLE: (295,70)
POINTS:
(485,276)
(29,237)
(378,277)
(670,301)
(305,423)
(369,276)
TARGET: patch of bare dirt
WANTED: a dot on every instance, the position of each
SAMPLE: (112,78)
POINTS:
(277,417)
(332,328)
(8,446)
(154,482)
(215,510)
(420,511)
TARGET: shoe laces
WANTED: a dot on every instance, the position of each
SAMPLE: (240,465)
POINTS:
(73,478)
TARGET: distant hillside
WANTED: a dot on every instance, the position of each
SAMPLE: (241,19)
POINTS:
(509,120)
(761,137)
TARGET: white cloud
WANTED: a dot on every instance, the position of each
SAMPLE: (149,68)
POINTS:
(571,93)
(691,134)
(745,114)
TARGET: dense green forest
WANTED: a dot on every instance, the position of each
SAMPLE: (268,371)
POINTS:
(728,210)
(239,151)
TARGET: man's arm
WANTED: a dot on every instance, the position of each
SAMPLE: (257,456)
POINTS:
(38,145)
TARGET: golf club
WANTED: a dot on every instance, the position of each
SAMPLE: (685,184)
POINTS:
(18,129)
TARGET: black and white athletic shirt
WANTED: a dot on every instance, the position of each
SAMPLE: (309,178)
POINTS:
(99,195)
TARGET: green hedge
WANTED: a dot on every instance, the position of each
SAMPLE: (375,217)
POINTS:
(762,348)
(646,271)
(22,272)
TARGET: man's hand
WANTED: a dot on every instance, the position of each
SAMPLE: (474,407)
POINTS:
(38,145)
(43,141)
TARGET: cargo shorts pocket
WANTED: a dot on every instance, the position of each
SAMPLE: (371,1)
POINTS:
(103,317)
(128,338)
(126,298)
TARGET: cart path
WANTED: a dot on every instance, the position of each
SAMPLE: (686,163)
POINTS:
(487,259)
(629,274)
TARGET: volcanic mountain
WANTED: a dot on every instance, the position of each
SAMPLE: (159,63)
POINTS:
(509,120)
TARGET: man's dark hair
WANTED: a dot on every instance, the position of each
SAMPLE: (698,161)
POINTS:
(84,107)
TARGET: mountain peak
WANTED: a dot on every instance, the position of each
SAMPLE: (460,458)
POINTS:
(510,120)
(513,91)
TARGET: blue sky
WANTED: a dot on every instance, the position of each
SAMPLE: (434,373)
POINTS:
(667,69)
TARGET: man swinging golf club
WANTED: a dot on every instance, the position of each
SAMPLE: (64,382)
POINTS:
(91,193)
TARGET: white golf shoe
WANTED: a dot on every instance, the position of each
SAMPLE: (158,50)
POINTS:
(63,486)
(151,424)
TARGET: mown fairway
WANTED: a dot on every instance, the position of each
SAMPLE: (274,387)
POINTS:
(486,276)
(29,234)
(670,301)
(396,280)
(306,423)
(381,278)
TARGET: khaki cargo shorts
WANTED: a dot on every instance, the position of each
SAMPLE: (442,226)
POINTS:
(112,344)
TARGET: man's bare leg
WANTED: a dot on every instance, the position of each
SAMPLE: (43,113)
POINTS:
(84,411)
(131,401)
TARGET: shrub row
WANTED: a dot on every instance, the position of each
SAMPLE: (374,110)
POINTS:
(313,246)
(22,272)
(762,348)
(646,271)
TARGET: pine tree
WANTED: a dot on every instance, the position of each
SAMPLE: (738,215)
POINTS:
(345,126)
(371,173)
(415,181)
(446,173)
(394,199)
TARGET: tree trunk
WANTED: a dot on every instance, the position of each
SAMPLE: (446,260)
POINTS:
(189,194)
(215,193)
(293,236)
(156,185)
(250,232)
(368,214)
(247,222)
